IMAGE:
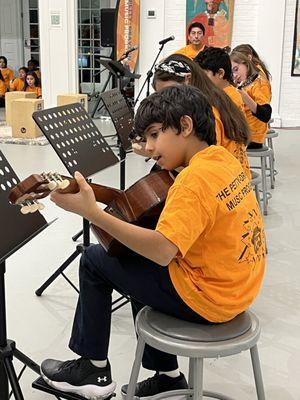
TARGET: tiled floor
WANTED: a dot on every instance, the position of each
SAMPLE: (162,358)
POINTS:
(41,325)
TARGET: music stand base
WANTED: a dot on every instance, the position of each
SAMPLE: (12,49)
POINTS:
(6,360)
(40,384)
(60,270)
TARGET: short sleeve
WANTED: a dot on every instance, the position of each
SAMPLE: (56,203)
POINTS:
(183,219)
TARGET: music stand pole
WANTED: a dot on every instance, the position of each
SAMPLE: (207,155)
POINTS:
(149,76)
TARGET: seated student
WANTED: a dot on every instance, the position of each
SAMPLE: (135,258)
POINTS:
(217,66)
(253,56)
(18,83)
(7,73)
(33,66)
(32,84)
(231,126)
(203,272)
(196,33)
(3,90)
(256,96)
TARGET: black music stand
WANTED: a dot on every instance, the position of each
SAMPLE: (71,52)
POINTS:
(122,118)
(118,70)
(16,230)
(80,146)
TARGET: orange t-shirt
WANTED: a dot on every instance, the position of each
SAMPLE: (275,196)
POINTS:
(8,75)
(212,216)
(189,51)
(239,150)
(37,90)
(260,92)
(17,85)
(263,76)
(2,88)
(235,96)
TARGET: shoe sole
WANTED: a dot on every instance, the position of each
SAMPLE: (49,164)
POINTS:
(90,392)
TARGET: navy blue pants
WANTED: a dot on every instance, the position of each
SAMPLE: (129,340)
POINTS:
(146,282)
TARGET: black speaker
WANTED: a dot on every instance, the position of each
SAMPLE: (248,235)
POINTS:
(108,26)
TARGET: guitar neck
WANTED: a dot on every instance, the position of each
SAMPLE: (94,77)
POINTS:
(103,194)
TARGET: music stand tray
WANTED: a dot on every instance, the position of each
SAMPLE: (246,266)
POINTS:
(121,115)
(117,69)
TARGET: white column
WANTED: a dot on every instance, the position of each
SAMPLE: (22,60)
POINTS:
(58,48)
(270,39)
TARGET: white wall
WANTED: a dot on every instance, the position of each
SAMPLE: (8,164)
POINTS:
(266,24)
(58,49)
(170,20)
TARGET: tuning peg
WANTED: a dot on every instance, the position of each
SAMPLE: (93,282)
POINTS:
(25,209)
(52,185)
(41,206)
(63,184)
(34,207)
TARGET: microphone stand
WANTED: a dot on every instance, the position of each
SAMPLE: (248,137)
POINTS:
(149,76)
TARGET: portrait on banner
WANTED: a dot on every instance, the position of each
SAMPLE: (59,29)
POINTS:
(217,18)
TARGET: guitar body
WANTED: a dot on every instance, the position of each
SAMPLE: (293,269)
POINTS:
(146,199)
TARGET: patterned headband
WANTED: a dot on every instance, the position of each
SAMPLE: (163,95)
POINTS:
(173,67)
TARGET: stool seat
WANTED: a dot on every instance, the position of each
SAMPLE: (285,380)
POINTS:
(196,341)
(271,134)
(264,151)
(195,332)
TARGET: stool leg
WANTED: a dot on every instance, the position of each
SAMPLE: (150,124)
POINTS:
(257,373)
(196,377)
(271,162)
(264,184)
(257,195)
(135,369)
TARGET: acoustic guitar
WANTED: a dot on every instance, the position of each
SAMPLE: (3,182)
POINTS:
(140,204)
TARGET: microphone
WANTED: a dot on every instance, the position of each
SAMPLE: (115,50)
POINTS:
(164,41)
(130,50)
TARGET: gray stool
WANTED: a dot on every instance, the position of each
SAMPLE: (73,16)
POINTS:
(255,181)
(196,341)
(264,153)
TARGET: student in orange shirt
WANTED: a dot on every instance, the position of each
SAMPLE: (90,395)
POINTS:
(253,56)
(196,33)
(217,66)
(202,272)
(256,96)
(18,83)
(7,73)
(33,66)
(2,90)
(32,84)
(231,126)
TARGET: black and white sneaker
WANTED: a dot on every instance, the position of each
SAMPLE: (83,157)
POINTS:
(80,377)
(158,384)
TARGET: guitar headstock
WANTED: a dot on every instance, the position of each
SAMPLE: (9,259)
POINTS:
(27,193)
(248,81)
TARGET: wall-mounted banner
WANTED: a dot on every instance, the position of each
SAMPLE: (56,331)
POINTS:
(296,47)
(128,18)
(217,18)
